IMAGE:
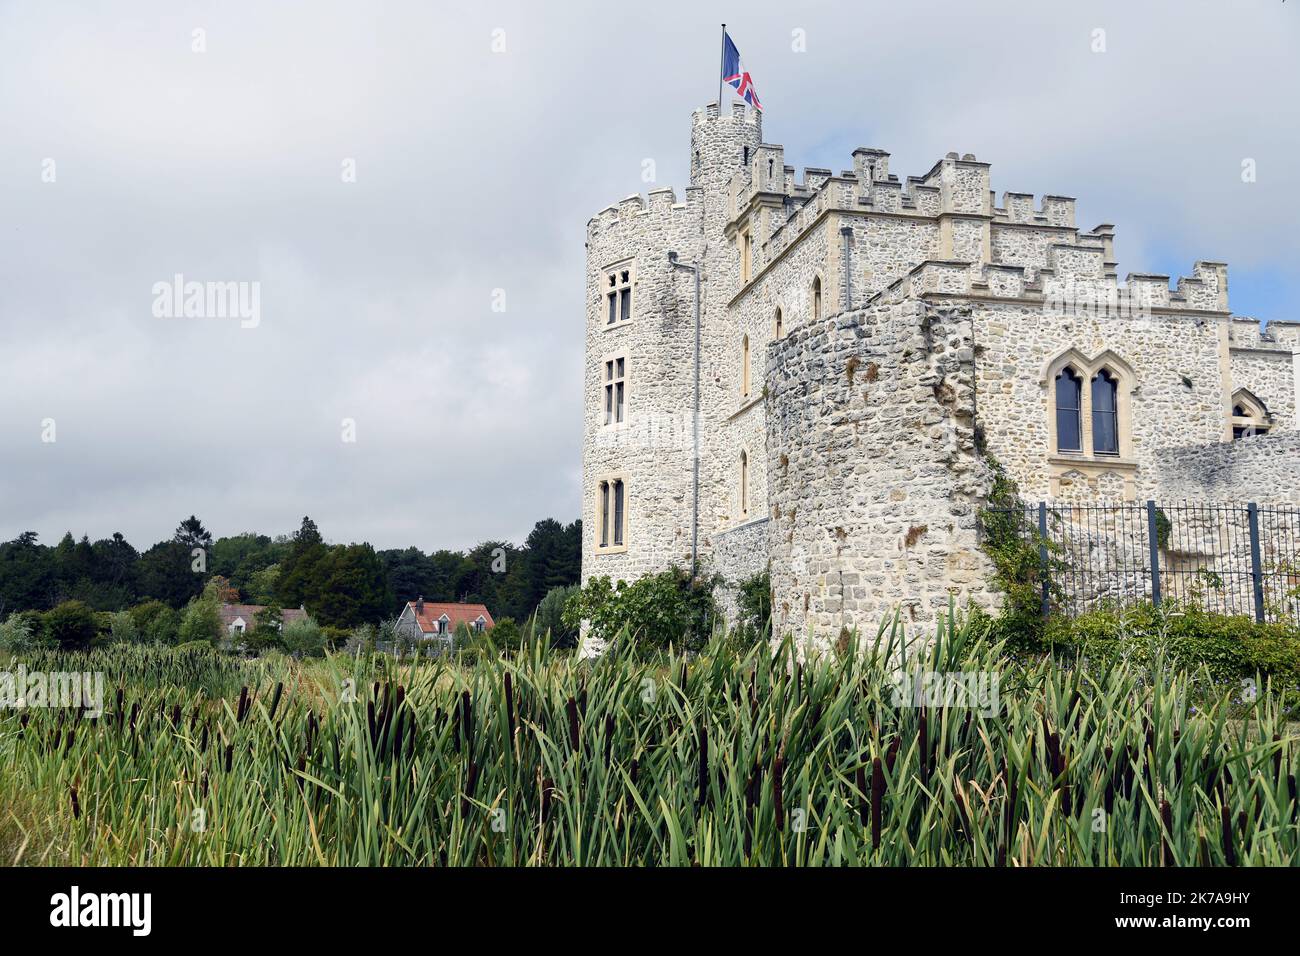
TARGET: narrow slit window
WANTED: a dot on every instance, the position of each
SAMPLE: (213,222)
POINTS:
(744,367)
(604,514)
(744,484)
(817,299)
(615,392)
(618,512)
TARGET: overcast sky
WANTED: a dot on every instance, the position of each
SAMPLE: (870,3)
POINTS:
(477,170)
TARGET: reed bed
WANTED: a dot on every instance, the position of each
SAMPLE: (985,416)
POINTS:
(761,759)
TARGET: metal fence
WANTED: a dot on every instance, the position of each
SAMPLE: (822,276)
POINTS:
(1228,558)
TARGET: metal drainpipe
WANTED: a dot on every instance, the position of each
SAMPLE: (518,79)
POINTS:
(847,233)
(695,424)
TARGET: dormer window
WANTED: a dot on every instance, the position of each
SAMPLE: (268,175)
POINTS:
(1249,416)
(480,624)
(443,623)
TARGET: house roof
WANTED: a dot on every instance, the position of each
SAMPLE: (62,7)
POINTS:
(456,614)
(231,612)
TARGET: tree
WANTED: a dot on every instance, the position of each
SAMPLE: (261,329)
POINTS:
(549,617)
(192,534)
(71,626)
(201,621)
(27,578)
(268,624)
(218,589)
(167,574)
(156,623)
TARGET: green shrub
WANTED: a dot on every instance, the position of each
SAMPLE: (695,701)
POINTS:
(303,637)
(655,611)
(549,617)
(71,626)
(201,621)
(156,622)
(18,632)
(122,628)
(1232,648)
(754,598)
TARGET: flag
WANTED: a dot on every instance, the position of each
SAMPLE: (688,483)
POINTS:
(733,73)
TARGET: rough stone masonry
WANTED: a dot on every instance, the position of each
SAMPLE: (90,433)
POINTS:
(866,346)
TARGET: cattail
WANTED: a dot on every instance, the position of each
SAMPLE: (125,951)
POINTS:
(243,705)
(777,797)
(230,755)
(371,725)
(203,786)
(176,716)
(571,706)
(1166,830)
(877,801)
(510,707)
(635,769)
(135,713)
(76,804)
(1241,824)
(891,755)
(467,710)
(1229,847)
(275,698)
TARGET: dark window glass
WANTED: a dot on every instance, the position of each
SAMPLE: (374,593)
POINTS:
(618,512)
(625,304)
(613,304)
(1238,411)
(604,514)
(619,403)
(1069,389)
(1105,418)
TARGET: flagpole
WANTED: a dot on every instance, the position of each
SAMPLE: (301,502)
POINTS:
(722,60)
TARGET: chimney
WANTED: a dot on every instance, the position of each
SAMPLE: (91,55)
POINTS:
(419,604)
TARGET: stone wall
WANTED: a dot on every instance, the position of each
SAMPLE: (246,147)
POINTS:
(738,554)
(874,480)
(1264,469)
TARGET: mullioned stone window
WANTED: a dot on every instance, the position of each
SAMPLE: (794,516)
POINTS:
(1249,416)
(619,280)
(611,514)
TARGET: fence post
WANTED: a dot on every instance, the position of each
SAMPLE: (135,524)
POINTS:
(1256,565)
(1042,555)
(1153,539)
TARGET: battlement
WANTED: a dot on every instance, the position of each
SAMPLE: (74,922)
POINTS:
(1076,280)
(740,112)
(658,202)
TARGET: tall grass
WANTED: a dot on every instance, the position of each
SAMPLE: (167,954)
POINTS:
(543,759)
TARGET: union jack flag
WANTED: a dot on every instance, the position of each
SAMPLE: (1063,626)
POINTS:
(734,74)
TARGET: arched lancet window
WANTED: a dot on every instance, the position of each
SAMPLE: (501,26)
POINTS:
(1069,392)
(817,298)
(744,485)
(744,367)
(1105,413)
(778,326)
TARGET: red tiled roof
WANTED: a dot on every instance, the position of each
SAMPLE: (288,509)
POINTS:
(229,612)
(456,614)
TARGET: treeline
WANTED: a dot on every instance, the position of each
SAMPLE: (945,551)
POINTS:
(341,586)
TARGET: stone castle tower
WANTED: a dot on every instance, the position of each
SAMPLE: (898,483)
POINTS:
(813,377)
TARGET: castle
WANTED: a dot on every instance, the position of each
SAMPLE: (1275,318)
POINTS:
(813,376)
